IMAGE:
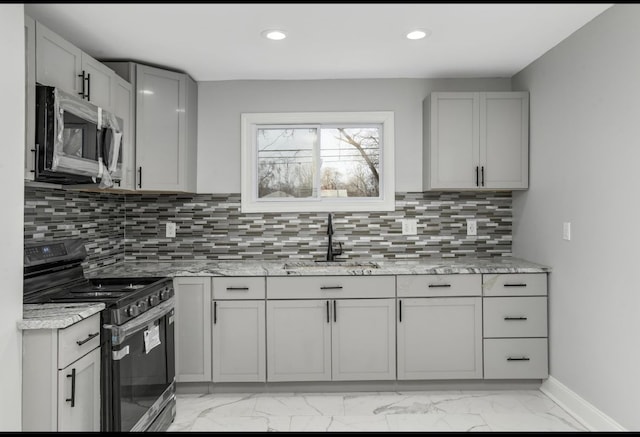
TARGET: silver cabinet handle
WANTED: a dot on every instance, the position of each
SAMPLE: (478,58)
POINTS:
(515,318)
(334,287)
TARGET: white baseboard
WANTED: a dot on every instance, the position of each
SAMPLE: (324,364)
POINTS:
(583,411)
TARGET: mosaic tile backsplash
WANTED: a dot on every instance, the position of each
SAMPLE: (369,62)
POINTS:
(98,218)
(211,226)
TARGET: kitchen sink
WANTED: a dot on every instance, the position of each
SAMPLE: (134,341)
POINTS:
(318,265)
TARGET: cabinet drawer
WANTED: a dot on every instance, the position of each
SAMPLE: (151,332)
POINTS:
(515,284)
(439,285)
(330,287)
(77,340)
(515,316)
(520,358)
(237,288)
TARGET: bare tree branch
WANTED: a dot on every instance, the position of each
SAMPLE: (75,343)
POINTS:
(366,157)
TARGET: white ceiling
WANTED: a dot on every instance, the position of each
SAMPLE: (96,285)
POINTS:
(325,41)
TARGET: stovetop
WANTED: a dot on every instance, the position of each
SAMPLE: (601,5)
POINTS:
(53,273)
(125,298)
(109,290)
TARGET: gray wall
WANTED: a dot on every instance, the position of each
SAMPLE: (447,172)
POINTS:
(12,88)
(221,103)
(585,169)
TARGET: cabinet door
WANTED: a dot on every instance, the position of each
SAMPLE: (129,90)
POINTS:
(30,93)
(79,394)
(160,128)
(298,340)
(454,147)
(193,329)
(123,108)
(440,338)
(363,340)
(504,139)
(99,83)
(239,341)
(58,62)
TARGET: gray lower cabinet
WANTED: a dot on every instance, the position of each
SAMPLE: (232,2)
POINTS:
(323,328)
(61,378)
(238,338)
(515,326)
(440,338)
(192,329)
(324,340)
(363,340)
(298,340)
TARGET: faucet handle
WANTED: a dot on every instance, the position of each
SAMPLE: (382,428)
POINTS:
(339,251)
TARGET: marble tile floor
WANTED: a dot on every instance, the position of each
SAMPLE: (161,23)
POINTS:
(453,410)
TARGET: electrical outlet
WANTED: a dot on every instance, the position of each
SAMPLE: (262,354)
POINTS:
(566,231)
(171,230)
(409,227)
(472,227)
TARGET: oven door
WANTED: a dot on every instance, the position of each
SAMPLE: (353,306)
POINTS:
(142,370)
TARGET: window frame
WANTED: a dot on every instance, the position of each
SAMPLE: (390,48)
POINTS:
(249,162)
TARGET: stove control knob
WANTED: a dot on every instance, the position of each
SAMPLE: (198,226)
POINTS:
(165,294)
(153,300)
(142,306)
(132,311)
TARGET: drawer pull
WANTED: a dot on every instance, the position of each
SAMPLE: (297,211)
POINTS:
(514,285)
(237,288)
(439,285)
(515,318)
(518,359)
(334,287)
(89,338)
(72,399)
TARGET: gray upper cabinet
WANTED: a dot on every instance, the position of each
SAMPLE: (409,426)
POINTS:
(99,82)
(30,93)
(476,141)
(123,108)
(166,105)
(61,64)
(58,62)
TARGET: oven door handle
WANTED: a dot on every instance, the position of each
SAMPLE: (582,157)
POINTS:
(120,333)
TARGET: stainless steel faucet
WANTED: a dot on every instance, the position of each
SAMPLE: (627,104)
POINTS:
(331,252)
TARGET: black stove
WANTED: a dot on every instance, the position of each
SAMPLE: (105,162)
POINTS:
(137,376)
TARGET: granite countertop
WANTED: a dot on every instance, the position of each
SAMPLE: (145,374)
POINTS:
(311,268)
(56,315)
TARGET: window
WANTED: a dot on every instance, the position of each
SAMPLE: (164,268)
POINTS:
(322,161)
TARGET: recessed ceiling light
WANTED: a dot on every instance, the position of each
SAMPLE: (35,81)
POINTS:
(275,35)
(418,34)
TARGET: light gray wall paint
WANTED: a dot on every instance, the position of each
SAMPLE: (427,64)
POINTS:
(12,90)
(585,169)
(220,104)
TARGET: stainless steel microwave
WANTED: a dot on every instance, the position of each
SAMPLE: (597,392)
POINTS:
(76,142)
